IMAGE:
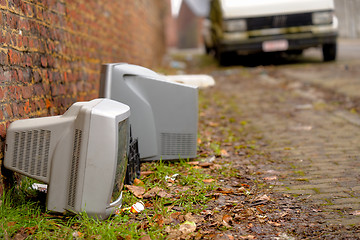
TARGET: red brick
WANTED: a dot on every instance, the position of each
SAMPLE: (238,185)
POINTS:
(8,111)
(27,92)
(44,61)
(3,3)
(53,49)
(3,130)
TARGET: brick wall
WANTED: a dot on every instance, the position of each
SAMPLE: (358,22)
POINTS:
(51,50)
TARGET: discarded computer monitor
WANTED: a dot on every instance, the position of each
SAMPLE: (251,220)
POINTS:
(164,114)
(81,155)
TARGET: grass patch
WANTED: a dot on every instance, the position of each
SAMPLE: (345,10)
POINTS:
(22,211)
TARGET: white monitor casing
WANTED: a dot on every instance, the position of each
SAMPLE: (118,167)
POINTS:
(164,114)
(76,154)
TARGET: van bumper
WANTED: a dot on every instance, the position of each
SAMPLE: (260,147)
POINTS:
(294,42)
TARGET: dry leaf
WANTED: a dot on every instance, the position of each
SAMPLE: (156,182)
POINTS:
(146,173)
(227,220)
(248,237)
(213,124)
(208,180)
(356,213)
(193,163)
(276,224)
(187,227)
(138,182)
(224,153)
(225,191)
(271,178)
(145,237)
(31,230)
(262,198)
(10,224)
(230,237)
(205,164)
(157,191)
(21,235)
(216,166)
(77,234)
(138,191)
(159,219)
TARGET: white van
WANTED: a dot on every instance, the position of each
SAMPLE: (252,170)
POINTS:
(253,26)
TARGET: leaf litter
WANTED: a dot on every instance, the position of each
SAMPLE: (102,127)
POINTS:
(241,203)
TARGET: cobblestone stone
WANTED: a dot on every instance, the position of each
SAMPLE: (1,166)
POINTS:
(317,140)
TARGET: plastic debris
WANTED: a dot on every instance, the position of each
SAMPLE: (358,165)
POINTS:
(172,178)
(135,208)
(39,187)
(199,80)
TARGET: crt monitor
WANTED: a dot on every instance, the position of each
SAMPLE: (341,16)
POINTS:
(81,155)
(164,114)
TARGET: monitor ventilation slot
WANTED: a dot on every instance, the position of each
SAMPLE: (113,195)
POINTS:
(31,152)
(180,144)
(74,168)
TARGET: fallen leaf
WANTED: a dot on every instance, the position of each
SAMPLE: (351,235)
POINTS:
(356,213)
(205,164)
(276,224)
(187,227)
(316,210)
(189,217)
(159,219)
(21,235)
(193,163)
(10,224)
(271,178)
(31,230)
(77,234)
(227,220)
(262,198)
(224,153)
(157,191)
(138,191)
(146,237)
(138,182)
(208,180)
(213,124)
(230,237)
(248,237)
(225,191)
(215,166)
(146,173)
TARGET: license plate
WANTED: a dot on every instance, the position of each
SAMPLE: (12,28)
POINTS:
(275,45)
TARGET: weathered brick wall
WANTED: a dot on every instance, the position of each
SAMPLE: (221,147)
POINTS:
(51,50)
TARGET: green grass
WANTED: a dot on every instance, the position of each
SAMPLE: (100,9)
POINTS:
(22,210)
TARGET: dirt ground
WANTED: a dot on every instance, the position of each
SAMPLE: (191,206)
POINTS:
(289,135)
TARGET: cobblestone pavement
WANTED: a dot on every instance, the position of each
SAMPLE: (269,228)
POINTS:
(308,113)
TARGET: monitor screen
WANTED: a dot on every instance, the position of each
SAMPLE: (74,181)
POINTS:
(121,157)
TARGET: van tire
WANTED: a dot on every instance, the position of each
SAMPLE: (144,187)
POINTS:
(329,52)
(224,58)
